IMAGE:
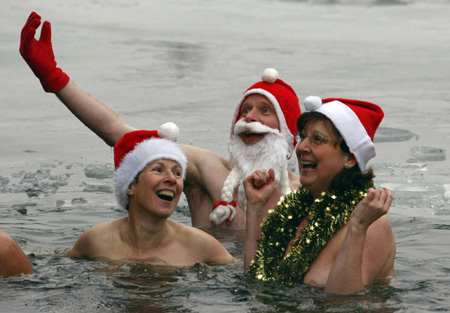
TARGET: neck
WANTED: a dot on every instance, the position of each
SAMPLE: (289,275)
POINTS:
(144,232)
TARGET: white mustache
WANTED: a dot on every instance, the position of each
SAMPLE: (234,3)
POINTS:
(253,127)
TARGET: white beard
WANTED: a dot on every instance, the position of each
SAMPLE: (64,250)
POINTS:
(270,152)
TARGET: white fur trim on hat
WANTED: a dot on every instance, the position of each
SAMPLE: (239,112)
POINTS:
(348,124)
(136,160)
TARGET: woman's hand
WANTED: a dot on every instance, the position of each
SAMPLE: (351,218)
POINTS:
(372,207)
(259,186)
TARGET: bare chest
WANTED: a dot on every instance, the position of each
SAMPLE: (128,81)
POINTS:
(320,269)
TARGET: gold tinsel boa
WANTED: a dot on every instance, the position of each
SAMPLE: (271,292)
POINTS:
(324,216)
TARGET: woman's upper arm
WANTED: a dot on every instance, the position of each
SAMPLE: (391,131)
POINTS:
(379,252)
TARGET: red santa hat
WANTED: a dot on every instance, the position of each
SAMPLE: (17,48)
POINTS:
(357,122)
(138,148)
(283,99)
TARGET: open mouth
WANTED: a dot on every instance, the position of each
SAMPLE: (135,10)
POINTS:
(253,135)
(166,195)
(308,165)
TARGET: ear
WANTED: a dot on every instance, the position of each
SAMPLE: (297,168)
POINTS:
(130,190)
(350,160)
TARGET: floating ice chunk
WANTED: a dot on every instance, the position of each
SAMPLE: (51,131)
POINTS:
(446,191)
(422,153)
(78,201)
(386,134)
(408,188)
(22,208)
(59,203)
(422,167)
(4,181)
(97,188)
(399,172)
(99,171)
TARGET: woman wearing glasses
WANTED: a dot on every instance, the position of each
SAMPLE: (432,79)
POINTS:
(332,232)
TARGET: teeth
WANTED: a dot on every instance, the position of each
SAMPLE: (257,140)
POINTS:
(307,164)
(166,194)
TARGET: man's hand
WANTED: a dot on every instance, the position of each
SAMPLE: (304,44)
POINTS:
(39,54)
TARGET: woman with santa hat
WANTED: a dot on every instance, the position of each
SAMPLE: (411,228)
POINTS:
(333,232)
(148,182)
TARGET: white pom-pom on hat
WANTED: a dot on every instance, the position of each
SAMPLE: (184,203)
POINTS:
(312,103)
(270,75)
(169,130)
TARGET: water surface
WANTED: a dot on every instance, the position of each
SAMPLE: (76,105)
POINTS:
(188,62)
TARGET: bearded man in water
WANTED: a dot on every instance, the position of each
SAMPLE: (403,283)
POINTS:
(262,134)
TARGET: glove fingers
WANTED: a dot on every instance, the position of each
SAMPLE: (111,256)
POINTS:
(27,39)
(46,33)
(32,22)
(33,16)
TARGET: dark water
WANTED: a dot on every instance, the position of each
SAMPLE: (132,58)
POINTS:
(189,62)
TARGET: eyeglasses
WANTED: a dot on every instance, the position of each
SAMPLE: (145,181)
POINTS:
(315,139)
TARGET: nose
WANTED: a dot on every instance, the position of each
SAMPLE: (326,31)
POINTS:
(170,177)
(251,116)
(303,146)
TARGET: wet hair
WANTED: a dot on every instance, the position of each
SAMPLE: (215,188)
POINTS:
(348,176)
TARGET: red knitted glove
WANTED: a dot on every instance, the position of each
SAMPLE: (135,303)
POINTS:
(39,54)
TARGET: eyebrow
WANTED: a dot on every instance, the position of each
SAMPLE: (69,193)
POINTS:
(314,132)
(161,163)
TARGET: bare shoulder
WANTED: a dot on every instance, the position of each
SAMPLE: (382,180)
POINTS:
(381,238)
(200,159)
(13,260)
(102,230)
(8,245)
(381,228)
(380,250)
(191,234)
(208,249)
(206,173)
(4,237)
(95,241)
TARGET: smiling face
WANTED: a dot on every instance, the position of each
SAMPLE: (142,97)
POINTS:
(257,108)
(319,164)
(158,188)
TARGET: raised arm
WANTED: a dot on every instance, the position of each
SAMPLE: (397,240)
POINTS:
(40,58)
(94,114)
(259,187)
(368,249)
